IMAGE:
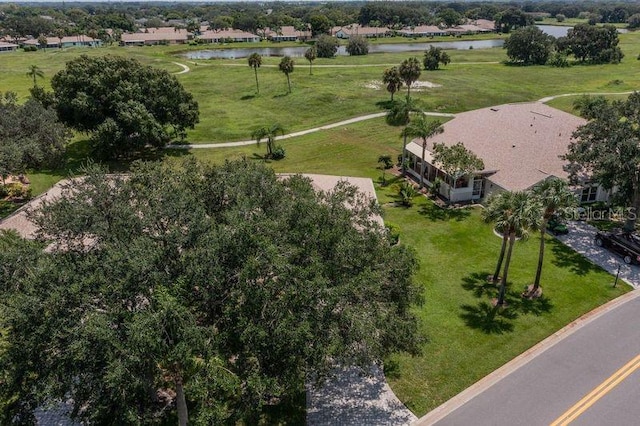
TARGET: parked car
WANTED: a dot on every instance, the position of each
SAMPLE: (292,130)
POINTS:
(557,226)
(626,244)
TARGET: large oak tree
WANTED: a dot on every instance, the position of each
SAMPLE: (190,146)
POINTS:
(213,289)
(125,105)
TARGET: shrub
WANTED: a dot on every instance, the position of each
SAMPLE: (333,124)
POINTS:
(278,153)
(326,46)
(560,17)
(393,231)
(358,46)
(30,48)
(559,60)
(18,190)
(406,193)
(3,191)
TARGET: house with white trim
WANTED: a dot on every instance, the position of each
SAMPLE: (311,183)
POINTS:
(520,145)
(68,41)
(8,47)
(228,35)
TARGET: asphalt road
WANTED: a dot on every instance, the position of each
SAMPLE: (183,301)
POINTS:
(599,361)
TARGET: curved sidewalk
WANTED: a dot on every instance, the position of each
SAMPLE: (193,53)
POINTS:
(300,133)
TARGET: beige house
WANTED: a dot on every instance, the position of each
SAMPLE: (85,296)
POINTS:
(154,36)
(347,31)
(7,47)
(520,145)
(287,33)
(422,31)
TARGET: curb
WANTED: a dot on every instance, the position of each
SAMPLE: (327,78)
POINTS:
(485,383)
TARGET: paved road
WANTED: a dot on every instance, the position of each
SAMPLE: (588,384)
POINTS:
(557,375)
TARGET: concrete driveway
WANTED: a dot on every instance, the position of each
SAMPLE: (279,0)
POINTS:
(580,238)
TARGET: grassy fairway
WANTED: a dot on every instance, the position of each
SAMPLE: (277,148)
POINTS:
(341,87)
(457,251)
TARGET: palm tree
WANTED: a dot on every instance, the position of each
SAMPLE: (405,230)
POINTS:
(493,213)
(422,128)
(311,54)
(286,66)
(255,60)
(34,72)
(553,196)
(409,72)
(270,133)
(391,78)
(515,213)
(400,115)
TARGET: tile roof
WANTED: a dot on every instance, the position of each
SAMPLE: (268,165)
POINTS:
(520,142)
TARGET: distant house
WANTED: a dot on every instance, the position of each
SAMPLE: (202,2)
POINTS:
(347,31)
(287,33)
(70,41)
(7,47)
(467,29)
(520,145)
(485,24)
(154,36)
(228,35)
(422,31)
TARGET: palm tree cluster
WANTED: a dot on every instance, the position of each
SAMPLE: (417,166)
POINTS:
(515,214)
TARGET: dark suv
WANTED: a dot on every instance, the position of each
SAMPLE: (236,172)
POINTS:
(626,244)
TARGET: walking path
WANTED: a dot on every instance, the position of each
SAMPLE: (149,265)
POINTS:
(185,68)
(564,95)
(300,133)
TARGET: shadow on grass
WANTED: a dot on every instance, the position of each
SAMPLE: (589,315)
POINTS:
(489,319)
(477,284)
(434,212)
(247,97)
(566,258)
(492,320)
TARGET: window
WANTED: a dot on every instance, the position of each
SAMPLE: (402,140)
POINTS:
(589,194)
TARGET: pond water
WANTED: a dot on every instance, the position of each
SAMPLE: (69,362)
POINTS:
(298,52)
(561,31)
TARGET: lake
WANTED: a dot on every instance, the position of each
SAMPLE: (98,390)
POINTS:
(298,52)
(561,31)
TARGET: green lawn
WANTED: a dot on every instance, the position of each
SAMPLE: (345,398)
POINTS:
(457,251)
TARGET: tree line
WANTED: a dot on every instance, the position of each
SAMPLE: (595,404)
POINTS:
(585,42)
(93,19)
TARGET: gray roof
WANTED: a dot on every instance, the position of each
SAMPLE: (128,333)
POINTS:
(521,142)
